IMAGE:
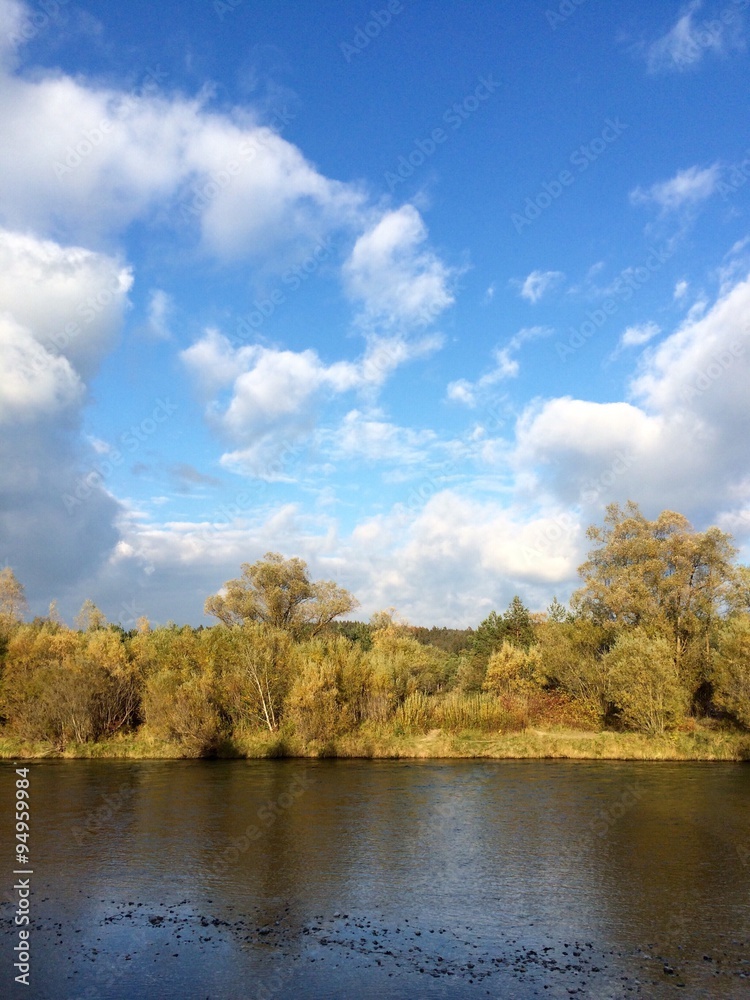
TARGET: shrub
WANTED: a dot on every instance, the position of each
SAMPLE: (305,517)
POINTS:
(644,683)
(731,670)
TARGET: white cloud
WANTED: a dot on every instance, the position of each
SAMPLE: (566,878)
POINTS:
(60,310)
(680,290)
(160,312)
(450,559)
(538,283)
(276,395)
(398,282)
(688,41)
(636,336)
(34,383)
(685,436)
(506,366)
(687,188)
(87,161)
(365,436)
(72,299)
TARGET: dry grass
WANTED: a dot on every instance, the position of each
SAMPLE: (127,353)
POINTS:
(385,741)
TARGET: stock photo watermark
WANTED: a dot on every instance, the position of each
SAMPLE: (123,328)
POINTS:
(267,815)
(365,33)
(94,137)
(565,9)
(38,19)
(453,118)
(129,441)
(629,281)
(293,279)
(22,885)
(204,191)
(581,158)
(97,819)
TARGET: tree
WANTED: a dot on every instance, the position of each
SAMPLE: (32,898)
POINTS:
(278,592)
(519,629)
(489,635)
(89,618)
(513,670)
(663,576)
(557,613)
(643,681)
(731,669)
(13,604)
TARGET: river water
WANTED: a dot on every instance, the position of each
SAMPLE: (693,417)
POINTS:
(352,879)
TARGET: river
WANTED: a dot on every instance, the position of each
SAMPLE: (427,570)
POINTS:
(232,880)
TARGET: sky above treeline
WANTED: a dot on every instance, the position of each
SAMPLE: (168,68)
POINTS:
(411,291)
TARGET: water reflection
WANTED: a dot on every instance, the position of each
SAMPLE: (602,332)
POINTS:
(348,877)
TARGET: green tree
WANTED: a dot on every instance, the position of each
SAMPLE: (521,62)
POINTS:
(489,635)
(558,613)
(278,592)
(519,629)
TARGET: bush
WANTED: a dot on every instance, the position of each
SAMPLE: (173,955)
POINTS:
(643,682)
(313,704)
(184,711)
(731,670)
(513,670)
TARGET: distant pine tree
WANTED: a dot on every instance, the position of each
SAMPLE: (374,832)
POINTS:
(519,629)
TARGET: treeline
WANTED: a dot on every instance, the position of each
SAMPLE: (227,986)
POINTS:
(657,638)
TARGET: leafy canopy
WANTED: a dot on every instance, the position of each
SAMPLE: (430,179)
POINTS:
(278,592)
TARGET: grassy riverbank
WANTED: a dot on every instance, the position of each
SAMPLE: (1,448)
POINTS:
(383,743)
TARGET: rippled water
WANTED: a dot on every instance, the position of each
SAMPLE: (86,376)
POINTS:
(307,879)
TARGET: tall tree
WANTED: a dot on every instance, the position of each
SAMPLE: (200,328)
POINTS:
(90,618)
(661,576)
(278,592)
(13,604)
(519,628)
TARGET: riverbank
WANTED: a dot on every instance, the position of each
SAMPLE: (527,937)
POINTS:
(383,743)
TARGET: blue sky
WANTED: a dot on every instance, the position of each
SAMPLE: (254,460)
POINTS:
(412,292)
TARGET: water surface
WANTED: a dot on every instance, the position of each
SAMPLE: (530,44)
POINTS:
(308,879)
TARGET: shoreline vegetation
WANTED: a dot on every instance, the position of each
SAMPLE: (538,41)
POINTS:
(650,661)
(703,744)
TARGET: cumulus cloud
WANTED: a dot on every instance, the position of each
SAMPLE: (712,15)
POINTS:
(462,556)
(688,187)
(684,440)
(275,395)
(60,310)
(538,283)
(367,437)
(87,161)
(393,276)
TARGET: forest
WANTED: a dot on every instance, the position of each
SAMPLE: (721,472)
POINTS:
(655,641)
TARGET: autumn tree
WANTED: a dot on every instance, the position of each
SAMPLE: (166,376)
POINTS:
(643,681)
(13,604)
(278,592)
(513,670)
(663,576)
(731,669)
(89,618)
